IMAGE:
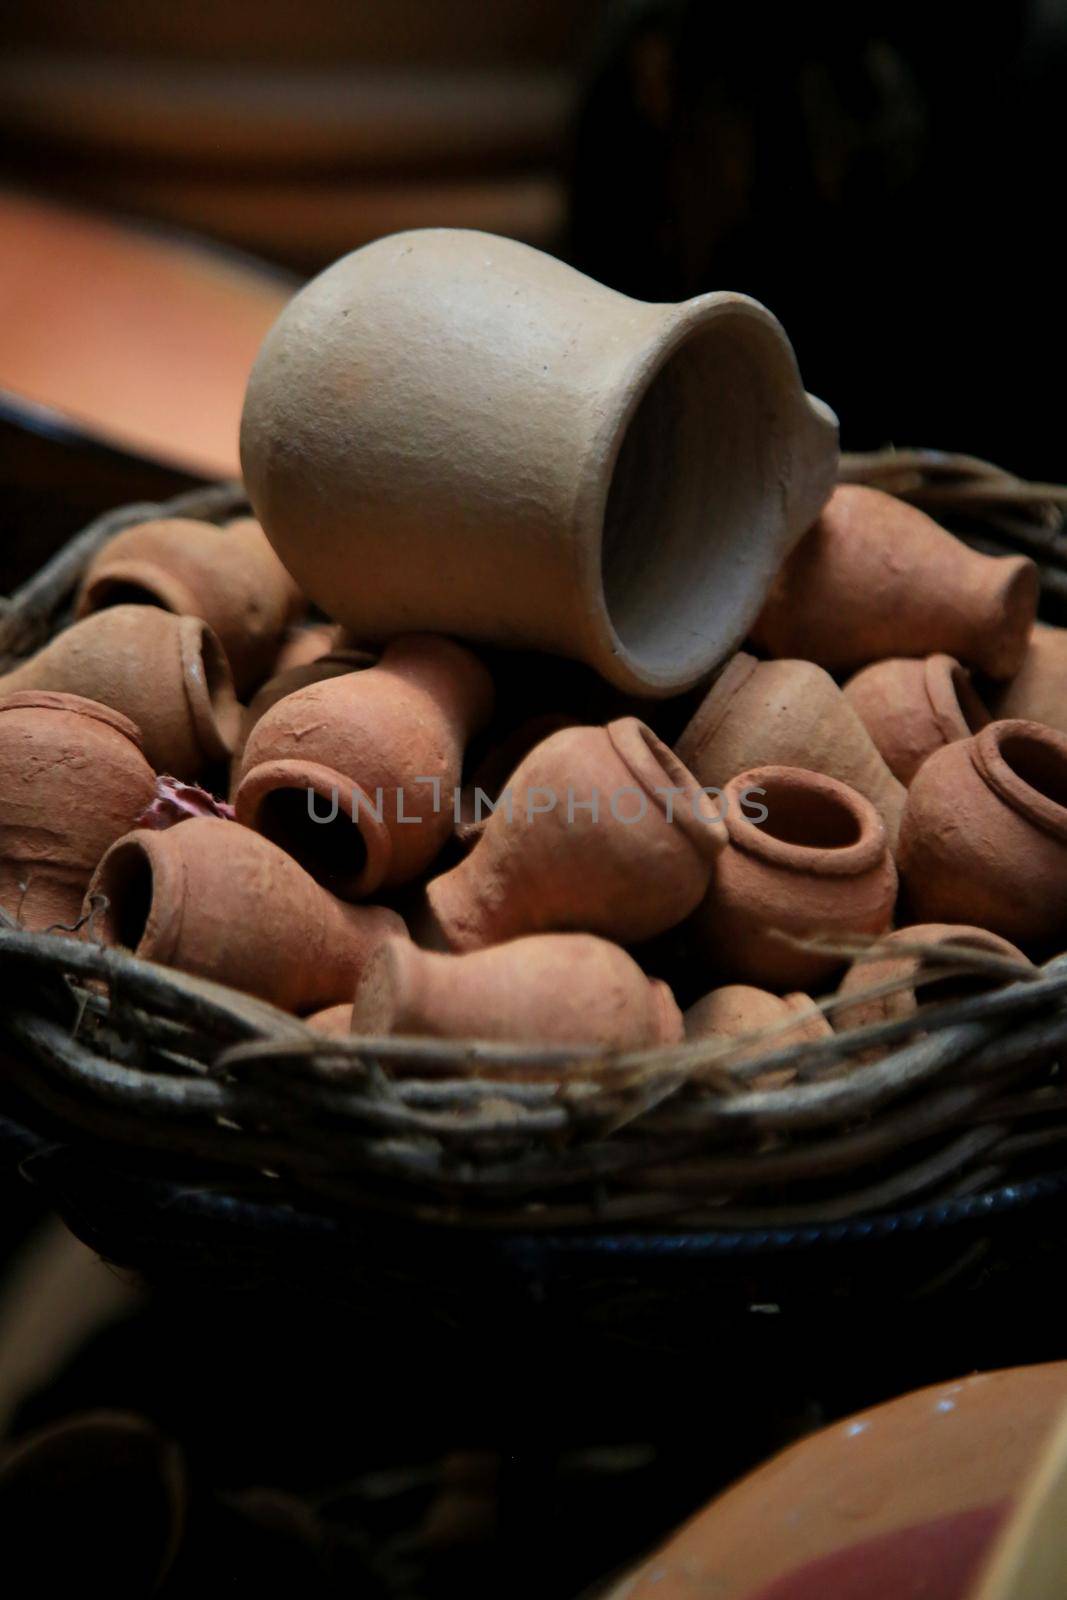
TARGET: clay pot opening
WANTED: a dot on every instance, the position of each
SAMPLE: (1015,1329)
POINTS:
(128,882)
(815,819)
(116,593)
(1038,763)
(348,852)
(697,463)
(334,852)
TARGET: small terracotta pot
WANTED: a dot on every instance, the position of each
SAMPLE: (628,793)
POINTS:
(490,776)
(547,863)
(1038,692)
(984,838)
(912,708)
(531,459)
(550,988)
(168,674)
(786,714)
(875,577)
(73,779)
(230,577)
(331,664)
(818,864)
(215,899)
(380,749)
(737,1009)
(334,1021)
(902,967)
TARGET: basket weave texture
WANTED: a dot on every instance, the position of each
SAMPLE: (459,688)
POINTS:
(153,1067)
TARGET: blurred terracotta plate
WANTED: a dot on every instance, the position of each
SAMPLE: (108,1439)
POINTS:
(138,340)
(949,1493)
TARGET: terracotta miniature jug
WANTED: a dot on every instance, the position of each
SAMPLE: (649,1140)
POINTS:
(229,577)
(530,458)
(599,830)
(217,900)
(331,664)
(73,779)
(356,776)
(984,837)
(904,967)
(911,708)
(168,674)
(876,577)
(816,862)
(906,1499)
(737,1009)
(549,988)
(1038,692)
(786,714)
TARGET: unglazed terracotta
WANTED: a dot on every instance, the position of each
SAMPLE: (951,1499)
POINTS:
(330,664)
(230,577)
(217,900)
(1038,692)
(818,864)
(167,673)
(902,967)
(786,714)
(334,1021)
(876,577)
(449,430)
(306,642)
(911,708)
(382,749)
(549,988)
(984,838)
(547,862)
(737,1010)
(481,792)
(73,779)
(905,1499)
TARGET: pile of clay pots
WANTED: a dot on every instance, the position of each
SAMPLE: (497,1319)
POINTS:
(847,780)
(469,464)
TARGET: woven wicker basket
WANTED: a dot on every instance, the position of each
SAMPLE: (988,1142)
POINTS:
(211,1088)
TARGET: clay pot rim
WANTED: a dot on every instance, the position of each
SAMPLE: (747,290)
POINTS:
(956,705)
(844,861)
(1026,801)
(1015,579)
(707,718)
(270,777)
(135,572)
(158,940)
(651,762)
(77,704)
(645,673)
(209,689)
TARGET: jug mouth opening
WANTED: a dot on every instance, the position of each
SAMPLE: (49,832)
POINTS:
(1026,764)
(127,881)
(810,822)
(331,827)
(696,512)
